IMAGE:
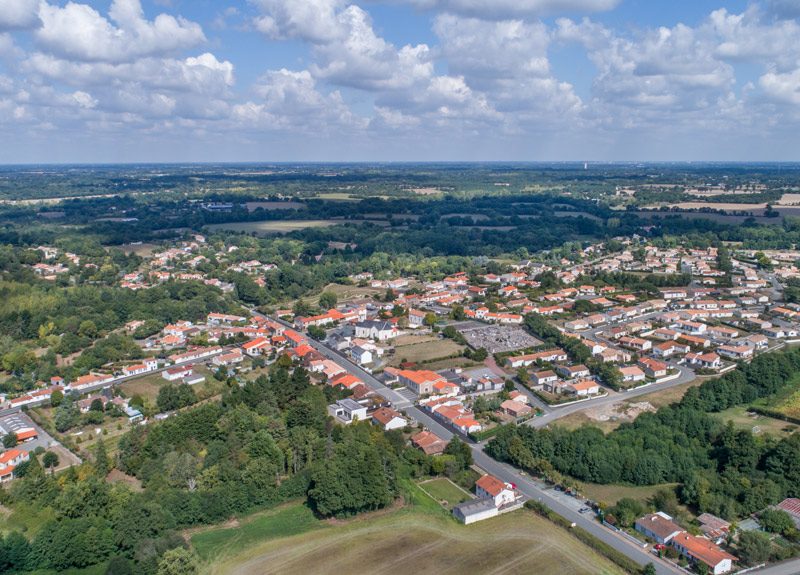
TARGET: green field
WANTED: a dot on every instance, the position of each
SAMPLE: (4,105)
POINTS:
(742,419)
(443,490)
(610,494)
(273,227)
(408,540)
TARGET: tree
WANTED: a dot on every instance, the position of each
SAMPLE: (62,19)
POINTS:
(301,308)
(50,460)
(317,332)
(66,416)
(328,300)
(101,462)
(10,440)
(119,566)
(56,398)
(178,561)
(649,569)
(523,376)
(430,319)
(754,547)
(776,521)
(460,451)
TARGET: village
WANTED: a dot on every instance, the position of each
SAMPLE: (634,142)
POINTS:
(472,351)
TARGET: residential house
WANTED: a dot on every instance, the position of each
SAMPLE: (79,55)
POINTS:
(709,360)
(388,419)
(701,550)
(573,371)
(515,408)
(9,460)
(531,358)
(653,368)
(543,377)
(420,382)
(177,372)
(500,492)
(632,374)
(582,388)
(416,318)
(347,411)
(659,527)
(429,443)
(735,352)
(378,330)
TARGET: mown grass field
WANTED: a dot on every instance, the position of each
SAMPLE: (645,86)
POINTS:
(610,494)
(442,489)
(428,349)
(408,540)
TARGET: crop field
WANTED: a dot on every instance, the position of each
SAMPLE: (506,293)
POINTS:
(410,541)
(445,491)
(273,227)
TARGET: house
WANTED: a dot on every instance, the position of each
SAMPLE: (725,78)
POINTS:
(416,318)
(177,372)
(636,343)
(256,347)
(708,360)
(420,382)
(735,352)
(542,377)
(360,355)
(701,550)
(515,408)
(231,358)
(388,419)
(653,368)
(573,371)
(582,388)
(500,492)
(9,460)
(347,411)
(221,318)
(146,366)
(713,527)
(475,510)
(632,374)
(429,443)
(379,330)
(659,527)
(519,397)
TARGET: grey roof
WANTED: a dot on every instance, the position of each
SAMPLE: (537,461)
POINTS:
(474,506)
(349,404)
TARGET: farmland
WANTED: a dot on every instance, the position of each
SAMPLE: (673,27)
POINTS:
(409,540)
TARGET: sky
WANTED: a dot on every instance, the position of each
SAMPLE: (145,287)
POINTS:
(96,81)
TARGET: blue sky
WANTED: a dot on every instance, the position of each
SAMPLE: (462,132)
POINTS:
(363,80)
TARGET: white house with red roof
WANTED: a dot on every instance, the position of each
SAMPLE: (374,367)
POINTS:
(9,460)
(500,492)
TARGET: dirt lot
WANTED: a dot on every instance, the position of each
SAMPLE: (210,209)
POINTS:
(347,294)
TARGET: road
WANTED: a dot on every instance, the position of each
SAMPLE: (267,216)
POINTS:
(502,471)
(558,412)
(787,568)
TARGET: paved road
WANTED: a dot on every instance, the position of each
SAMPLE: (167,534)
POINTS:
(558,412)
(503,471)
(788,568)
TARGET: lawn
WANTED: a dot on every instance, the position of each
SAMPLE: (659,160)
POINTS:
(610,494)
(273,227)
(25,518)
(426,351)
(445,491)
(409,540)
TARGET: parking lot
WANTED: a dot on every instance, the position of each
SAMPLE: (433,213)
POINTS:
(16,422)
(497,338)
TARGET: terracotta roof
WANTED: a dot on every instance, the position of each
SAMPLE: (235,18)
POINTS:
(384,415)
(702,549)
(491,485)
(659,525)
